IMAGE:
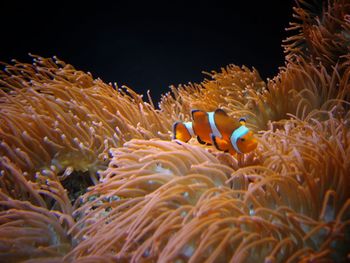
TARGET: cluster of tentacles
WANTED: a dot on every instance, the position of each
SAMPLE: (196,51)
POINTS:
(88,172)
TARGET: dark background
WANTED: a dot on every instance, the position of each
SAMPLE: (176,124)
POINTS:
(148,45)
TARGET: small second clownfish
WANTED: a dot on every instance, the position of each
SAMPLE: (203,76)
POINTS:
(216,128)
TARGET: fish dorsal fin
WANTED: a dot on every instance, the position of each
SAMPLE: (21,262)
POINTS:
(225,124)
(199,116)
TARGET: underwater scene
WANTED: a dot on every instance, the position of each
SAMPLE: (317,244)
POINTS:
(233,169)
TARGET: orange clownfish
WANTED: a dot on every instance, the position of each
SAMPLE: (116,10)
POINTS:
(216,128)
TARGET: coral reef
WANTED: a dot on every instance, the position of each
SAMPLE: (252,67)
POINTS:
(89,173)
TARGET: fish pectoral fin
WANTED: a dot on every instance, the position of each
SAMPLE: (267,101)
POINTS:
(219,143)
(180,132)
(232,151)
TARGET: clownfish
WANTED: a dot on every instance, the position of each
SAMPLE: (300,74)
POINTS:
(216,128)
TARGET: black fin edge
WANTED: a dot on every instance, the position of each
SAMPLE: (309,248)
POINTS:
(200,140)
(212,137)
(174,128)
(220,110)
(192,112)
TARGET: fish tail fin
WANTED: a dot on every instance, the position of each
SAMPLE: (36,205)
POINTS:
(180,132)
(219,143)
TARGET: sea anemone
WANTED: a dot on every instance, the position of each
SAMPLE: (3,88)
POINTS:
(55,117)
(322,33)
(89,173)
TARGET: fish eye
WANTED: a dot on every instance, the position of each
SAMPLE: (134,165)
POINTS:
(242,140)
